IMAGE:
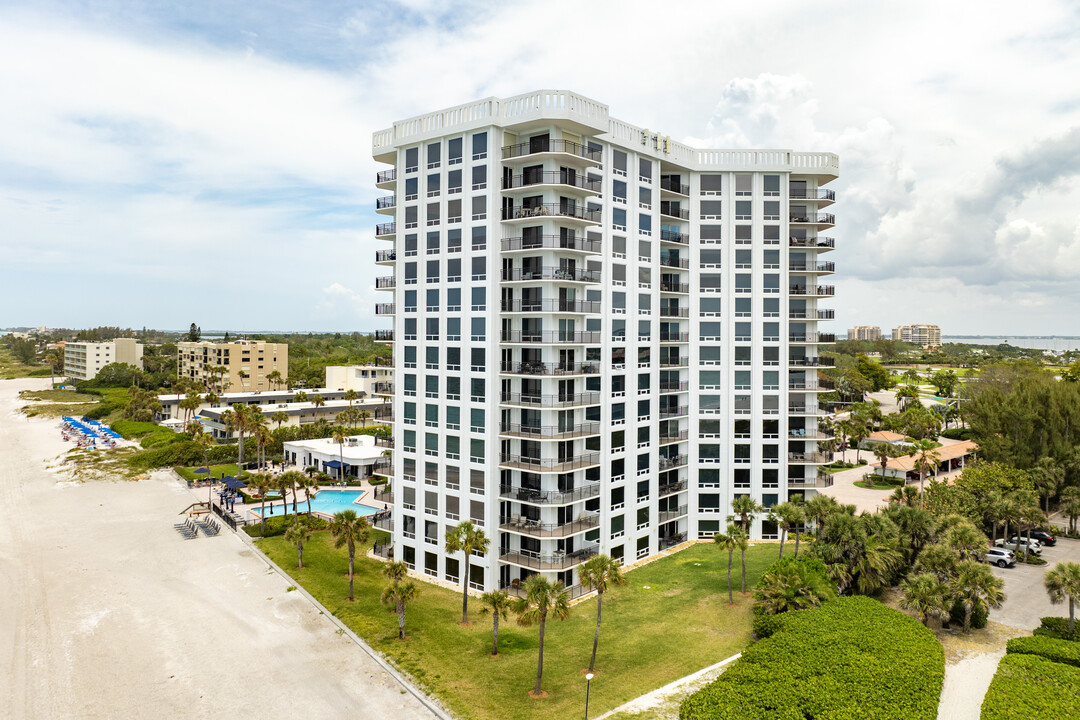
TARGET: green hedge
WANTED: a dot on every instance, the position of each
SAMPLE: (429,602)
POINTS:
(278,524)
(1029,686)
(851,658)
(1058,627)
(1062,651)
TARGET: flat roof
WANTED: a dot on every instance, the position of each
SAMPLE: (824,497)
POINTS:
(364,451)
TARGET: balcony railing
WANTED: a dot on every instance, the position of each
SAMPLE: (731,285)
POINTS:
(385,255)
(816,194)
(384,308)
(676,362)
(821,481)
(674,287)
(812,338)
(667,183)
(805,410)
(679,312)
(670,337)
(804,434)
(384,442)
(671,412)
(550,305)
(570,210)
(551,242)
(386,175)
(554,337)
(813,267)
(669,515)
(535,464)
(670,463)
(819,384)
(550,432)
(676,262)
(557,146)
(533,496)
(384,336)
(556,561)
(811,314)
(674,210)
(551,401)
(387,201)
(815,242)
(553,369)
(812,362)
(819,219)
(672,488)
(670,387)
(386,228)
(383,388)
(670,541)
(578,180)
(674,437)
(673,236)
(810,457)
(385,283)
(551,272)
(533,528)
(812,290)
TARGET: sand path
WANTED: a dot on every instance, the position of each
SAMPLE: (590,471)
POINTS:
(106,612)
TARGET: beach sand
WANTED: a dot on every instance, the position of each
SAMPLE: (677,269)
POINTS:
(105,611)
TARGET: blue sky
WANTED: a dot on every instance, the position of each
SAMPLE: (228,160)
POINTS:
(210,161)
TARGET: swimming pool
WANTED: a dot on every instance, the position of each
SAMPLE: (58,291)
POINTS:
(332,501)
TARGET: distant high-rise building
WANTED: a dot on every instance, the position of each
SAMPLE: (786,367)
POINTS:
(927,336)
(601,336)
(864,332)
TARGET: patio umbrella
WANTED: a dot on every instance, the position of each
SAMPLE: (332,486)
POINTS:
(202,471)
(234,484)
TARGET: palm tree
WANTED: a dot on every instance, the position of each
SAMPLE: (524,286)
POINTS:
(905,395)
(280,417)
(789,585)
(975,585)
(820,507)
(742,541)
(283,485)
(239,419)
(966,539)
(905,495)
(317,400)
(1063,581)
(859,430)
(364,416)
(746,508)
(1049,477)
(876,564)
(53,359)
(310,486)
(599,572)
(340,436)
(883,451)
(297,534)
(351,396)
(274,378)
(940,561)
(1032,516)
(926,595)
(262,436)
(499,604)
(926,460)
(395,571)
(788,515)
(349,530)
(542,598)
(289,480)
(261,483)
(300,397)
(399,594)
(466,539)
(204,440)
(727,541)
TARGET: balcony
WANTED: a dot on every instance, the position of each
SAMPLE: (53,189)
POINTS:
(525,526)
(805,410)
(821,219)
(385,283)
(551,401)
(815,194)
(810,458)
(549,369)
(386,231)
(384,335)
(673,412)
(669,515)
(812,338)
(821,481)
(384,308)
(674,312)
(811,362)
(675,237)
(550,305)
(549,465)
(670,337)
(811,314)
(674,287)
(538,146)
(533,496)
(558,210)
(549,432)
(385,203)
(385,256)
(670,463)
(672,488)
(550,337)
(678,362)
(673,210)
(670,541)
(812,290)
(383,388)
(674,438)
(555,561)
(810,267)
(567,179)
(386,177)
(670,262)
(823,384)
(383,469)
(551,242)
(670,185)
(815,243)
(673,387)
(556,273)
(384,442)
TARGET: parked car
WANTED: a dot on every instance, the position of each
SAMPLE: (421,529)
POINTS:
(1000,557)
(1017,545)
(1043,537)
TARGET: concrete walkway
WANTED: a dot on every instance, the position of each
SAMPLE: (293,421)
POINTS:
(673,693)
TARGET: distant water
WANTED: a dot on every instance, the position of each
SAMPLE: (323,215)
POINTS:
(1057,343)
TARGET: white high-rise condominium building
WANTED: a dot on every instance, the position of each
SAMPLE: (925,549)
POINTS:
(601,336)
(928,336)
(864,332)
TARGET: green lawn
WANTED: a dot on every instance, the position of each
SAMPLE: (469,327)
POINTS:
(63,396)
(877,484)
(188,473)
(669,620)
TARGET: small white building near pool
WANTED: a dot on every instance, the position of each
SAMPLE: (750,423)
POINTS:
(359,453)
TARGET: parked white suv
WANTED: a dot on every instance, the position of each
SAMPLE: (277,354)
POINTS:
(1017,545)
(1001,557)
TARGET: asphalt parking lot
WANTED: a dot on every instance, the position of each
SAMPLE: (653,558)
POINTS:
(1026,601)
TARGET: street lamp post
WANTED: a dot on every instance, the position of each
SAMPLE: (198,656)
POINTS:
(588,684)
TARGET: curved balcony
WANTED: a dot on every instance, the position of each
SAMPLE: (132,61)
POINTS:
(556,561)
(804,434)
(384,308)
(811,385)
(820,195)
(670,262)
(552,146)
(385,283)
(383,257)
(532,528)
(561,400)
(811,362)
(806,409)
(532,496)
(386,231)
(556,273)
(679,362)
(385,179)
(549,465)
(812,267)
(384,336)
(549,432)
(548,369)
(550,337)
(556,178)
(811,314)
(675,237)
(384,204)
(820,220)
(812,290)
(814,243)
(550,305)
(571,211)
(812,338)
(810,458)
(669,515)
(550,242)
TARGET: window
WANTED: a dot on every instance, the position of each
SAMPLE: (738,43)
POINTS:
(453,241)
(711,209)
(618,191)
(772,186)
(710,331)
(479,146)
(453,417)
(412,159)
(478,331)
(433,184)
(432,300)
(453,211)
(453,148)
(742,282)
(476,451)
(618,219)
(432,271)
(433,214)
(743,210)
(710,307)
(645,170)
(710,257)
(744,185)
(618,162)
(478,361)
(453,329)
(479,238)
(434,152)
(453,182)
(742,234)
(479,268)
(411,218)
(710,234)
(479,177)
(742,332)
(711,184)
(479,298)
(479,207)
(476,420)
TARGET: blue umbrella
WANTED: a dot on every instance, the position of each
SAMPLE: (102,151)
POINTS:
(234,484)
(202,471)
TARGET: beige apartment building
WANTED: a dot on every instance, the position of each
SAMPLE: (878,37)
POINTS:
(928,336)
(247,363)
(83,360)
(864,332)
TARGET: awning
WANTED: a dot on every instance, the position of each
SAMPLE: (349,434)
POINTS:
(332,464)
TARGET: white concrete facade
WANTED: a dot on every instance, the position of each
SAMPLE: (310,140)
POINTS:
(925,335)
(366,379)
(602,336)
(84,360)
(360,454)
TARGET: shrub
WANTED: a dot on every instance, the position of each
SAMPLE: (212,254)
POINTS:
(131,429)
(1028,686)
(1058,627)
(766,625)
(278,524)
(958,434)
(851,658)
(979,615)
(1062,651)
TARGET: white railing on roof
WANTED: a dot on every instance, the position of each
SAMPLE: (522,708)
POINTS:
(554,103)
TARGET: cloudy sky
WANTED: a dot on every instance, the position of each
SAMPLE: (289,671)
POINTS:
(210,160)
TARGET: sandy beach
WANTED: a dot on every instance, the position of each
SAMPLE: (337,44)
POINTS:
(105,611)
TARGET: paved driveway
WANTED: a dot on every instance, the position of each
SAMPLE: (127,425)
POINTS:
(1026,601)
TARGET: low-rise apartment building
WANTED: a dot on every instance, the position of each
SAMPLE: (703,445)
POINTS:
(247,363)
(84,360)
